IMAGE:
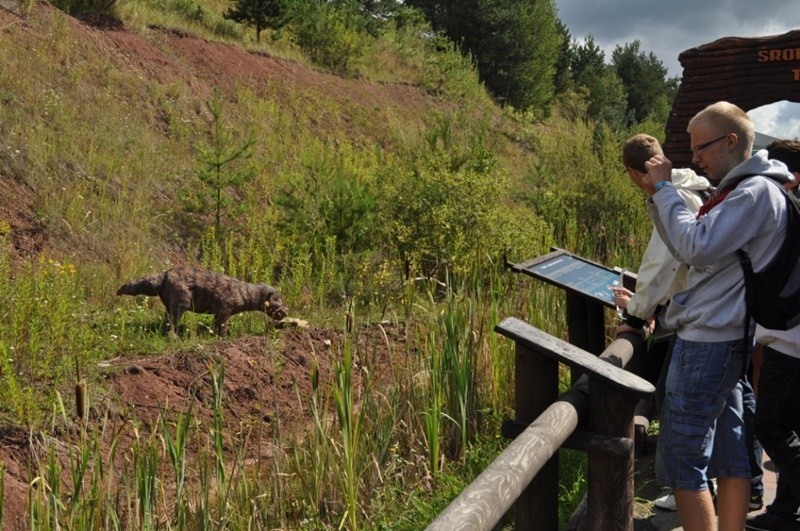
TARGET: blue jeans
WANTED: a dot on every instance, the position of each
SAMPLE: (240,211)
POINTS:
(702,431)
(777,425)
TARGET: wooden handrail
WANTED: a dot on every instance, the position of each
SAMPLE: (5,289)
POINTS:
(595,368)
(484,502)
(513,473)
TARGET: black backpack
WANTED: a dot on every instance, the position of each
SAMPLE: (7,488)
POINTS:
(772,296)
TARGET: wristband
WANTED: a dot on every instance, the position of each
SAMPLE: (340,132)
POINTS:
(633,321)
(662,184)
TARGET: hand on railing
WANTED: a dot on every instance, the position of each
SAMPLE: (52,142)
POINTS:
(643,332)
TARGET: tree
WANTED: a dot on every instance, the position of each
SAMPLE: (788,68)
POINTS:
(260,14)
(644,76)
(604,90)
(216,160)
(377,13)
(448,16)
(517,50)
(562,80)
(588,58)
(515,44)
(332,33)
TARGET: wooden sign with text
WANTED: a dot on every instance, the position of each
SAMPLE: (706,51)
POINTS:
(749,72)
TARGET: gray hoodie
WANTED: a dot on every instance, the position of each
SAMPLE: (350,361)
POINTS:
(752,217)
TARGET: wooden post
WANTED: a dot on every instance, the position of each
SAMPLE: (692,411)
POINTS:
(586,324)
(576,328)
(610,477)
(585,327)
(519,473)
(595,327)
(535,389)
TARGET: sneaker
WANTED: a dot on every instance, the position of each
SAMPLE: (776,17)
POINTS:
(769,522)
(666,503)
(756,502)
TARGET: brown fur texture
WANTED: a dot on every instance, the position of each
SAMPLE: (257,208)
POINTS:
(183,289)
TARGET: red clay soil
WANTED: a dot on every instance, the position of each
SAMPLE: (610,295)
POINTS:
(18,220)
(266,383)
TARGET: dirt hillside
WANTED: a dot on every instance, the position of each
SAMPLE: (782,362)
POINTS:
(258,399)
(175,57)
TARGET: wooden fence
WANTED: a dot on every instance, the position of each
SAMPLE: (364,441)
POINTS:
(526,472)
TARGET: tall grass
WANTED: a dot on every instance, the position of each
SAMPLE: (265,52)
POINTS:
(47,336)
(350,438)
(365,440)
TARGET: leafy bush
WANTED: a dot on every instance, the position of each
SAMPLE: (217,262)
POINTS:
(330,34)
(330,199)
(580,186)
(449,73)
(86,7)
(449,209)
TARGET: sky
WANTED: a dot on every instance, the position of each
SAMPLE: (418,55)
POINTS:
(667,28)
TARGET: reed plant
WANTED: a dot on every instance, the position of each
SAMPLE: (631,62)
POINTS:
(144,497)
(311,463)
(176,451)
(460,337)
(217,374)
(350,457)
(433,414)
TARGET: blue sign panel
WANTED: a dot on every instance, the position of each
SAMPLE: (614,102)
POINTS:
(573,273)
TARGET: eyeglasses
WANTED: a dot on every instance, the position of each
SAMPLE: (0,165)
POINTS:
(700,147)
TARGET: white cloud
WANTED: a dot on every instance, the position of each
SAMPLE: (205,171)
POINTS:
(781,120)
(765,118)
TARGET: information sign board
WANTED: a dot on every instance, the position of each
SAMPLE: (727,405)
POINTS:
(573,273)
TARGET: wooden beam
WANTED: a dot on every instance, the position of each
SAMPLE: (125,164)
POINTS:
(595,367)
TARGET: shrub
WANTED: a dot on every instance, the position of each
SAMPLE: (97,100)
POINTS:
(331,199)
(330,34)
(86,7)
(580,186)
(451,208)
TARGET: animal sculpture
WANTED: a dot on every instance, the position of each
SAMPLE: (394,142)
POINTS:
(184,289)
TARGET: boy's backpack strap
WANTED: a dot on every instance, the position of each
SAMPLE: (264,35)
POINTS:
(747,271)
(749,279)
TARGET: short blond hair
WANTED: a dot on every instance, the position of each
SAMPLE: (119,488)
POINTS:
(726,117)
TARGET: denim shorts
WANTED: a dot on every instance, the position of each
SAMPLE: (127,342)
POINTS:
(701,433)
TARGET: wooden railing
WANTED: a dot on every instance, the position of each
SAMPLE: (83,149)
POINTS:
(526,472)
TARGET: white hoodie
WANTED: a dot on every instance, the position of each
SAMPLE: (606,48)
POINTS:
(660,274)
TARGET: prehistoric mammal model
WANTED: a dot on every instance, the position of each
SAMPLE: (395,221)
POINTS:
(183,289)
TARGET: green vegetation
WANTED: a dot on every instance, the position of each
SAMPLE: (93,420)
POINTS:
(352,205)
(217,165)
(514,43)
(260,14)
